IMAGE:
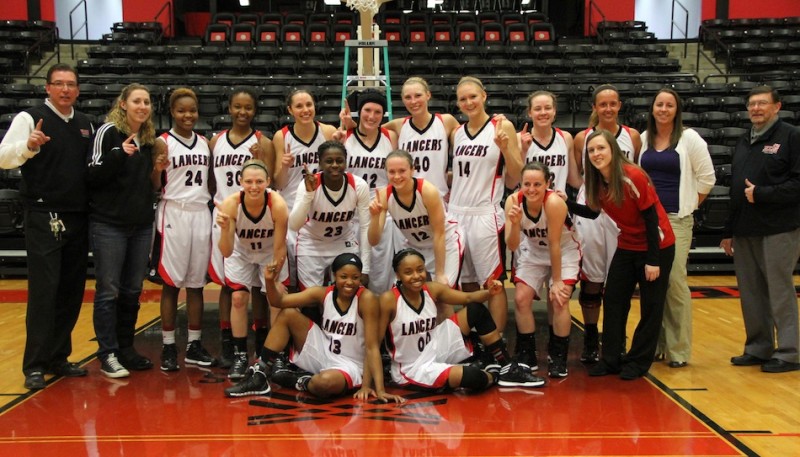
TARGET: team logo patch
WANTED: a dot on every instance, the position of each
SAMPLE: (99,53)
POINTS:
(771,148)
(85,133)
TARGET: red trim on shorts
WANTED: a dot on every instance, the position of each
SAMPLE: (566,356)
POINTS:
(235,286)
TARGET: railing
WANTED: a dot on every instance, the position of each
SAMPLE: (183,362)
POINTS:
(38,45)
(685,27)
(72,32)
(719,44)
(170,18)
(593,6)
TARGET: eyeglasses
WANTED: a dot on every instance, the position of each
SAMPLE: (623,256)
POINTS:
(758,103)
(63,84)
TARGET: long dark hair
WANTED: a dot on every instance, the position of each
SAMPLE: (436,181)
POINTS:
(677,123)
(594,180)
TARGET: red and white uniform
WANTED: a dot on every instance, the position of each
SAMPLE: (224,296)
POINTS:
(337,344)
(304,154)
(183,221)
(599,236)
(227,162)
(414,224)
(475,198)
(533,256)
(430,148)
(253,247)
(329,229)
(370,164)
(423,352)
(555,155)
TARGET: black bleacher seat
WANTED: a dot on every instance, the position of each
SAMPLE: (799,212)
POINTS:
(272,18)
(217,33)
(292,34)
(224,18)
(714,119)
(542,32)
(318,34)
(713,212)
(690,119)
(732,103)
(5,120)
(701,104)
(729,136)
(11,212)
(709,135)
(268,34)
(243,33)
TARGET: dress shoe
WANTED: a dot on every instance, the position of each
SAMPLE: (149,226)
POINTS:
(779,366)
(601,368)
(34,380)
(630,372)
(746,360)
(68,370)
(132,360)
(676,364)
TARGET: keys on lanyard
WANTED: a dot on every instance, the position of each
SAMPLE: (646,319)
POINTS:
(56,226)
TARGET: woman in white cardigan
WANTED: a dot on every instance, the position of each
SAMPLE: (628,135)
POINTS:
(678,162)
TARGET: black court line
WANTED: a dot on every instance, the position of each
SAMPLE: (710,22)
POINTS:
(690,389)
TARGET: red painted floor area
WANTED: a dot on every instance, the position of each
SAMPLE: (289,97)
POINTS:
(185,413)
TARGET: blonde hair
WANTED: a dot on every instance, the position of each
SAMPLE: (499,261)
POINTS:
(118,117)
(416,80)
(470,79)
(594,119)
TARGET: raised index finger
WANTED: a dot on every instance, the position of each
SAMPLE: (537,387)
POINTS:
(130,138)
(39,125)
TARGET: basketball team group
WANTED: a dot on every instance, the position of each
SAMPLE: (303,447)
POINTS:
(371,250)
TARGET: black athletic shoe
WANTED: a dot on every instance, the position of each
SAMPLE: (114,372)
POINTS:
(132,360)
(169,357)
(196,354)
(256,383)
(515,375)
(226,353)
(302,381)
(239,367)
(591,348)
(528,359)
(558,367)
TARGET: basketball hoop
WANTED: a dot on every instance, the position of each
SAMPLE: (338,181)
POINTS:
(364,6)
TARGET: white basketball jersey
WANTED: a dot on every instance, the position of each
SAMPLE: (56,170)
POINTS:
(413,221)
(534,246)
(478,168)
(410,330)
(369,163)
(430,148)
(188,169)
(344,329)
(623,137)
(329,228)
(304,154)
(555,155)
(254,232)
(228,160)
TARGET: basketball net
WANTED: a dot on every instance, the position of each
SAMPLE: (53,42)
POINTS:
(364,6)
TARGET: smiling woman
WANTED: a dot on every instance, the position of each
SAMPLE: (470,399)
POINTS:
(120,180)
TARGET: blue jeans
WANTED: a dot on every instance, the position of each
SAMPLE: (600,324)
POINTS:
(120,263)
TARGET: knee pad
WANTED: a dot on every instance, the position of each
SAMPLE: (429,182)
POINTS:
(590,300)
(474,378)
(479,318)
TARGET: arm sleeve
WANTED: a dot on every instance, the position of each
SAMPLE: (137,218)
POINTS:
(14,148)
(650,217)
(700,161)
(302,204)
(581,210)
(107,157)
(362,190)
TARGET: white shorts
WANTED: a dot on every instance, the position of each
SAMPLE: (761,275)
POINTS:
(454,256)
(185,233)
(216,264)
(311,269)
(381,274)
(598,239)
(484,251)
(536,276)
(315,358)
(447,347)
(242,273)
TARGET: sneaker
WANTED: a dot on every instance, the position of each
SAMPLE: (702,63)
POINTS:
(256,383)
(169,357)
(302,382)
(494,369)
(111,367)
(132,360)
(288,378)
(591,350)
(239,367)
(196,354)
(226,353)
(515,375)
(558,368)
(529,360)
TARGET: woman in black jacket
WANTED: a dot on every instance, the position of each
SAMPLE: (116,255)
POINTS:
(121,226)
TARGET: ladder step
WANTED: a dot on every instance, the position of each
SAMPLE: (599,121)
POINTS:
(366,43)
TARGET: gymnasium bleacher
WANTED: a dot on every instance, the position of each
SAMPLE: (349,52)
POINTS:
(513,52)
